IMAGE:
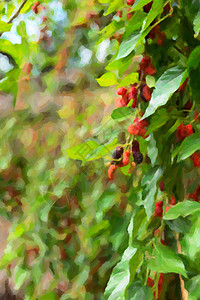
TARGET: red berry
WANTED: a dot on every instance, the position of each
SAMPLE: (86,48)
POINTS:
(27,68)
(147,7)
(130,2)
(125,159)
(133,95)
(130,14)
(183,86)
(146,66)
(150,282)
(167,208)
(161,281)
(154,31)
(166,9)
(172,200)
(157,232)
(146,92)
(161,186)
(161,38)
(35,7)
(119,13)
(121,91)
(137,128)
(159,209)
(144,62)
(188,105)
(111,171)
(184,130)
(196,159)
(135,146)
(195,195)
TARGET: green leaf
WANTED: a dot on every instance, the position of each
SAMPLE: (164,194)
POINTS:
(193,288)
(128,45)
(15,51)
(164,260)
(191,242)
(150,81)
(182,209)
(134,23)
(156,9)
(109,30)
(189,146)
(121,113)
(82,150)
(138,291)
(158,120)
(49,296)
(120,277)
(5,26)
(139,4)
(120,65)
(166,85)
(149,184)
(129,79)
(115,4)
(107,79)
(196,24)
(95,229)
(21,275)
(101,151)
(194,59)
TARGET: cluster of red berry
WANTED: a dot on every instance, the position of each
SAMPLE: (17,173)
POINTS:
(145,68)
(138,128)
(121,158)
(151,284)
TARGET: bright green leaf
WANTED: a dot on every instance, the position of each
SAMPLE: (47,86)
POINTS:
(82,150)
(196,24)
(182,209)
(164,260)
(120,277)
(129,79)
(128,45)
(166,85)
(101,151)
(107,79)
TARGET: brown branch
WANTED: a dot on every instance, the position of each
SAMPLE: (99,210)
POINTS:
(17,12)
(183,290)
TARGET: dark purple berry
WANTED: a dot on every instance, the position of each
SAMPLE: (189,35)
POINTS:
(135,146)
(118,153)
(138,157)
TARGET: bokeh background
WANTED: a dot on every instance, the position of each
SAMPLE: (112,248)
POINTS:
(60,219)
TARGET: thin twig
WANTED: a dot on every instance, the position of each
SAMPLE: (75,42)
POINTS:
(17,12)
